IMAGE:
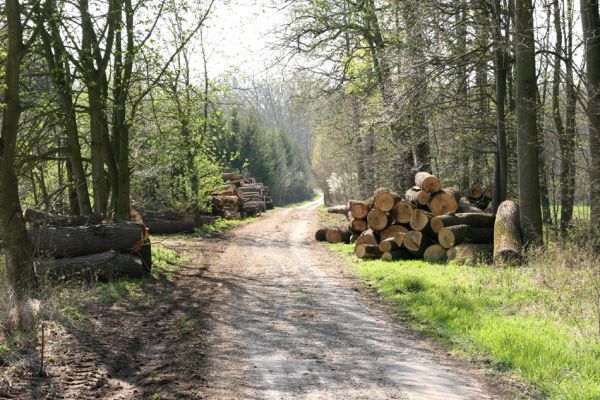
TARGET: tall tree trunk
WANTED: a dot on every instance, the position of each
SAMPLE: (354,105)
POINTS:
(567,141)
(501,70)
(17,247)
(529,187)
(590,20)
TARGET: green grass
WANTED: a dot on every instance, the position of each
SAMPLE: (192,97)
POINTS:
(500,316)
(222,225)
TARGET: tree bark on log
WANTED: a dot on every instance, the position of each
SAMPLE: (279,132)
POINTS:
(435,254)
(474,220)
(80,241)
(38,217)
(471,254)
(321,235)
(427,182)
(397,254)
(388,244)
(457,234)
(367,251)
(105,266)
(507,235)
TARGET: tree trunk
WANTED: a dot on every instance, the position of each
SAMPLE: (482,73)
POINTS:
(507,235)
(105,266)
(78,241)
(367,251)
(17,247)
(590,20)
(457,234)
(529,187)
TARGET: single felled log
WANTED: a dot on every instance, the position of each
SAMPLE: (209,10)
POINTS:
(37,217)
(378,220)
(358,209)
(474,220)
(367,237)
(367,251)
(384,199)
(402,211)
(475,192)
(108,265)
(419,220)
(435,253)
(321,235)
(458,234)
(80,241)
(358,225)
(443,202)
(388,244)
(427,182)
(391,230)
(416,196)
(165,227)
(507,234)
(469,253)
(341,209)
(231,176)
(397,254)
(337,235)
(465,206)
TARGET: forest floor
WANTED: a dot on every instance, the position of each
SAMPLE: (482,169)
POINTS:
(260,312)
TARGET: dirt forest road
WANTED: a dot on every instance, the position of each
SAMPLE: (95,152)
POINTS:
(262,312)
(288,323)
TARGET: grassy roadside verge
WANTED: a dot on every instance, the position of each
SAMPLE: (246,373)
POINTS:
(505,318)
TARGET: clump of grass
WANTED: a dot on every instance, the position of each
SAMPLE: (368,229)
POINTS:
(222,225)
(515,319)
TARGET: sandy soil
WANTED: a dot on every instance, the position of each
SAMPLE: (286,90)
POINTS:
(274,316)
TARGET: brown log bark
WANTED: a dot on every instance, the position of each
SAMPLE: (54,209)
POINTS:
(79,241)
(469,253)
(367,251)
(397,254)
(420,220)
(367,237)
(457,234)
(507,235)
(443,202)
(474,220)
(391,230)
(427,182)
(416,196)
(341,209)
(385,199)
(338,235)
(105,266)
(435,254)
(402,211)
(358,209)
(378,220)
(231,176)
(321,235)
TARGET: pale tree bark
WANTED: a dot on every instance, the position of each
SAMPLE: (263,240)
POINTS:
(527,142)
(17,247)
(590,20)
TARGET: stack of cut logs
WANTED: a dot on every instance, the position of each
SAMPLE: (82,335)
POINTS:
(86,247)
(240,197)
(429,223)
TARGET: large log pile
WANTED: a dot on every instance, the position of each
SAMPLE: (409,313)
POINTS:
(89,248)
(429,222)
(240,197)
